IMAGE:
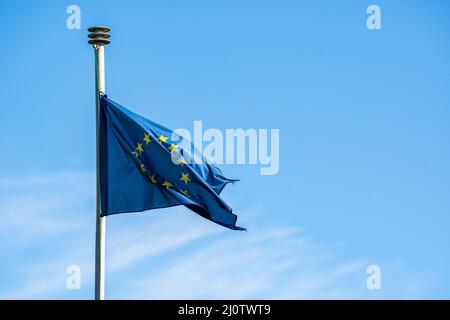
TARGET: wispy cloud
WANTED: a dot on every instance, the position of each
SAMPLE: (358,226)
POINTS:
(47,224)
(42,206)
(265,263)
(41,232)
(131,242)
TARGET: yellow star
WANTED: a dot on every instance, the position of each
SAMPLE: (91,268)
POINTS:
(182,162)
(162,138)
(167,184)
(185,192)
(139,148)
(185,177)
(147,138)
(143,168)
(153,179)
(135,153)
(173,148)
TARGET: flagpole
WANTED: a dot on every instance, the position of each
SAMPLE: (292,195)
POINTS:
(98,37)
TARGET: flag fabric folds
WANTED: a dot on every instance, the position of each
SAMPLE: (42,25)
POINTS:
(142,167)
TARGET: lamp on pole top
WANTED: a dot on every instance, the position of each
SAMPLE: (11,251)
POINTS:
(99,36)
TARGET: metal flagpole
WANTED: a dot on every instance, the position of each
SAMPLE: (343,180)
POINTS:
(98,37)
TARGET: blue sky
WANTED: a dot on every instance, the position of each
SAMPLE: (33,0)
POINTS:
(364,128)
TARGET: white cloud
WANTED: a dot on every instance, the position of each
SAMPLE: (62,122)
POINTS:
(42,225)
(47,223)
(35,208)
(265,263)
(149,236)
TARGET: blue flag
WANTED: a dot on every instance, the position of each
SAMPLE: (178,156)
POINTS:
(144,165)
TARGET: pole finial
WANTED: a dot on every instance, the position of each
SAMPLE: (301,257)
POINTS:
(99,36)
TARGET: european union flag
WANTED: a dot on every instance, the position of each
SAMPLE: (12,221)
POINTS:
(142,167)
